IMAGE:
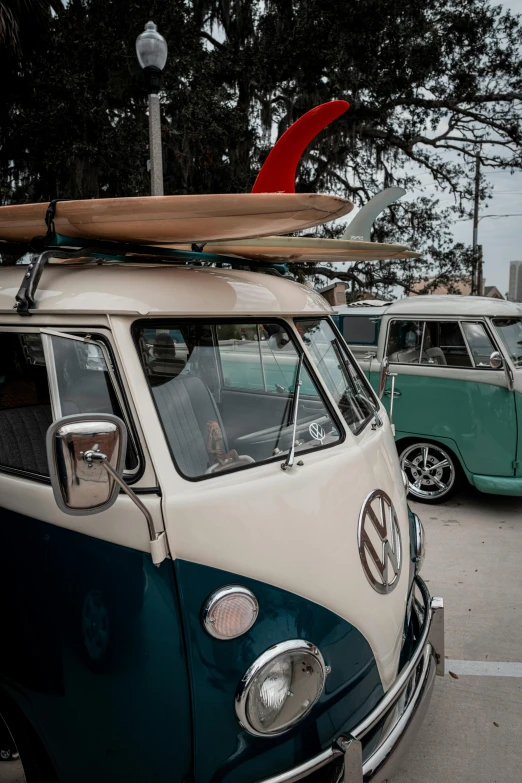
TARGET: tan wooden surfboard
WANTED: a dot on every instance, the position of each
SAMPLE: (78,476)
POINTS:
(162,219)
(307,250)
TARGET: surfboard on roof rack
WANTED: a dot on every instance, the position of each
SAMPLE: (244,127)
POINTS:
(306,250)
(163,219)
(232,228)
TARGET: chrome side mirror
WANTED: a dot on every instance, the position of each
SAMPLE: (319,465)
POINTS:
(86,455)
(385,366)
(495,360)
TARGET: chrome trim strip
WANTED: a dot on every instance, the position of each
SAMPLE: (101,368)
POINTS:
(384,751)
(402,680)
(297,773)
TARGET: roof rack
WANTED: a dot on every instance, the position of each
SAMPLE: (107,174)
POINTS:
(64,247)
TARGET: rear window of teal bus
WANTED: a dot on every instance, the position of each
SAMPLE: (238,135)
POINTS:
(360,329)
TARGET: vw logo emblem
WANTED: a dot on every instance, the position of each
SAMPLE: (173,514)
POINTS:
(379,539)
(316,431)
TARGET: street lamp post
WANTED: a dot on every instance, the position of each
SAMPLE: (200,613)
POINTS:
(476,274)
(152,50)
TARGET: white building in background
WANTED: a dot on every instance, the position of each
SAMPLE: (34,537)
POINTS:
(515,281)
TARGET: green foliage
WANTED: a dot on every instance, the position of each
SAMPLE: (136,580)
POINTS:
(429,84)
(17,17)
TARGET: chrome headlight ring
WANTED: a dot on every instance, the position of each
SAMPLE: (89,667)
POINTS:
(303,680)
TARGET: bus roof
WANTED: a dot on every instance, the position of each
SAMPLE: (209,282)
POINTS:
(444,305)
(160,290)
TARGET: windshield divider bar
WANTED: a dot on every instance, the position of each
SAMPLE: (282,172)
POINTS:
(288,463)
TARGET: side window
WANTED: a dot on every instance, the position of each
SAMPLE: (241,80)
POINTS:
(360,329)
(79,373)
(82,384)
(479,343)
(25,406)
(444,344)
(427,342)
(405,341)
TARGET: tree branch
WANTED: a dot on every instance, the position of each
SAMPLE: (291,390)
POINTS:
(217,44)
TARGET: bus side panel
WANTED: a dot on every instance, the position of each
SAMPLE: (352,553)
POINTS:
(92,653)
(479,417)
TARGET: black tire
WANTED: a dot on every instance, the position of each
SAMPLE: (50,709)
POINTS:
(33,758)
(433,470)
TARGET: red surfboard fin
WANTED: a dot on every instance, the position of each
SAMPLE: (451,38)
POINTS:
(277,173)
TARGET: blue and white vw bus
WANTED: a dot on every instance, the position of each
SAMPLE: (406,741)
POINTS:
(209,572)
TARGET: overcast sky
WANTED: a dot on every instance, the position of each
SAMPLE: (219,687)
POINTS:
(501,238)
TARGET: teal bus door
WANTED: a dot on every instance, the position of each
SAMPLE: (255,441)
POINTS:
(479,418)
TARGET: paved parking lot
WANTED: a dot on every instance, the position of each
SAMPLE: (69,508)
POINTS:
(11,772)
(474,560)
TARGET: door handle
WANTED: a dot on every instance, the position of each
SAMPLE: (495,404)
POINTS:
(396,393)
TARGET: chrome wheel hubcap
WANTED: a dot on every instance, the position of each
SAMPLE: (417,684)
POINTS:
(430,470)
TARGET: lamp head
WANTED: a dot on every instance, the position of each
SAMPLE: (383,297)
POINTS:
(151,48)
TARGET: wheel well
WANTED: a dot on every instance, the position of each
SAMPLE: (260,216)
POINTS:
(38,767)
(405,442)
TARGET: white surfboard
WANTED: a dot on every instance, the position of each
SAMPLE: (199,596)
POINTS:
(306,250)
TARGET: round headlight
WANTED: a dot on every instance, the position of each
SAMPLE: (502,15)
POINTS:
(419,543)
(230,612)
(280,688)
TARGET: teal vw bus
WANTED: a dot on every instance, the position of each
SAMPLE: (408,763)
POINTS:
(187,595)
(455,365)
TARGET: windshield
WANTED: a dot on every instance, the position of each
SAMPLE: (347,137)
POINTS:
(346,385)
(510,332)
(225,391)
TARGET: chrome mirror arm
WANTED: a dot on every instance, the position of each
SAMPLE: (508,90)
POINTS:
(95,455)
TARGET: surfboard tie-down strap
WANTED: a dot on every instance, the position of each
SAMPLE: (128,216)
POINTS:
(38,243)
(25,298)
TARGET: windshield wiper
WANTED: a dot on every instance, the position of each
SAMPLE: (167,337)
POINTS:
(290,458)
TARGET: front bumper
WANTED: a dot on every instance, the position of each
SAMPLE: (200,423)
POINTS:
(400,712)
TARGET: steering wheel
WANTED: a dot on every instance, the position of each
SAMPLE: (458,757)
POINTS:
(268,435)
(242,459)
